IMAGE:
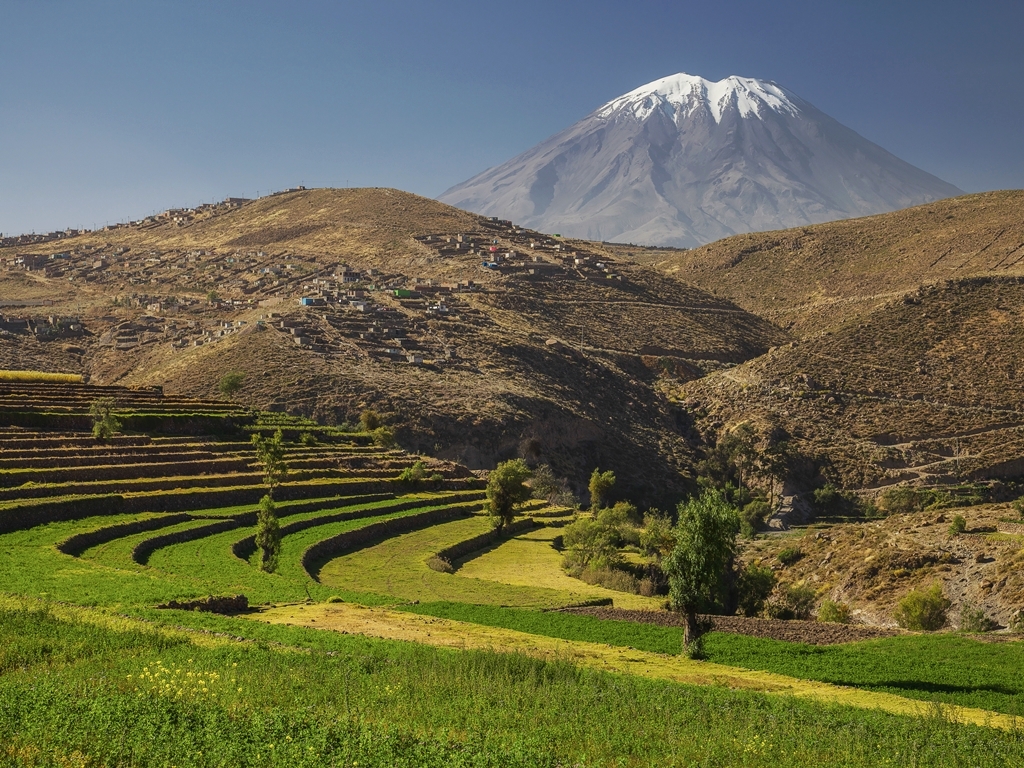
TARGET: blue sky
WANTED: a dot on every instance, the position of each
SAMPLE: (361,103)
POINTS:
(114,110)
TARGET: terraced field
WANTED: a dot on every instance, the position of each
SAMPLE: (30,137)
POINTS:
(94,536)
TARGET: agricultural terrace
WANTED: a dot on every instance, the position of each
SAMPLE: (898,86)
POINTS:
(397,628)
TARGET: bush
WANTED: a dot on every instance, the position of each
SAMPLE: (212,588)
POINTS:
(923,610)
(413,474)
(589,544)
(974,620)
(104,423)
(656,537)
(383,437)
(958,526)
(335,599)
(611,578)
(800,601)
(753,587)
(789,555)
(752,517)
(440,565)
(795,602)
(230,383)
(1018,506)
(832,612)
(308,438)
(370,420)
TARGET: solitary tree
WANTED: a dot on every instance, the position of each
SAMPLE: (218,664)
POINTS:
(104,423)
(270,453)
(268,534)
(600,484)
(231,382)
(506,490)
(697,566)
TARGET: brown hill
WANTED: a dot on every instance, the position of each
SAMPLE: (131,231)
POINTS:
(554,353)
(804,277)
(925,389)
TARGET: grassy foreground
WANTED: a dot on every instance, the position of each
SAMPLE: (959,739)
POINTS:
(80,687)
(942,668)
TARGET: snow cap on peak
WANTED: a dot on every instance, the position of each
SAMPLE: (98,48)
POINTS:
(683,94)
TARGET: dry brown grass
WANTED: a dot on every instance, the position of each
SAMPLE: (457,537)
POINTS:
(826,272)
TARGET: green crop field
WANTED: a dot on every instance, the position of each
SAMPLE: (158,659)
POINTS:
(73,691)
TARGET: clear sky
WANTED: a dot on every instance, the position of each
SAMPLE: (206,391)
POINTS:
(115,110)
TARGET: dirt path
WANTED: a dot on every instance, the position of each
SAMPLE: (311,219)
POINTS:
(395,625)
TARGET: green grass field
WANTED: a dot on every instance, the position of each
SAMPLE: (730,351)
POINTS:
(96,691)
(529,560)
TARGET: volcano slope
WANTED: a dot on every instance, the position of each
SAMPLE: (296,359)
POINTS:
(551,352)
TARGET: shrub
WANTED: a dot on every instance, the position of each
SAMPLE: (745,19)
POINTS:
(826,498)
(230,383)
(589,544)
(1018,506)
(923,610)
(789,555)
(753,587)
(656,537)
(832,612)
(413,474)
(752,517)
(958,526)
(335,599)
(440,565)
(104,423)
(308,438)
(611,578)
(437,477)
(648,587)
(974,620)
(370,420)
(383,437)
(800,601)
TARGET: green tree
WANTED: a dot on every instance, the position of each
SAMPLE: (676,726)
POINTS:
(657,537)
(506,490)
(588,542)
(698,566)
(270,454)
(268,534)
(104,423)
(212,297)
(230,383)
(600,485)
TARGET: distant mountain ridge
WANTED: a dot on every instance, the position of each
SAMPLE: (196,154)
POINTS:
(684,161)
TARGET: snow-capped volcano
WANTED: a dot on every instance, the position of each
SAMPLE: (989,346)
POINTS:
(683,161)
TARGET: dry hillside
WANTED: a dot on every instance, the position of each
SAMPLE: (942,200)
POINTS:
(806,277)
(553,353)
